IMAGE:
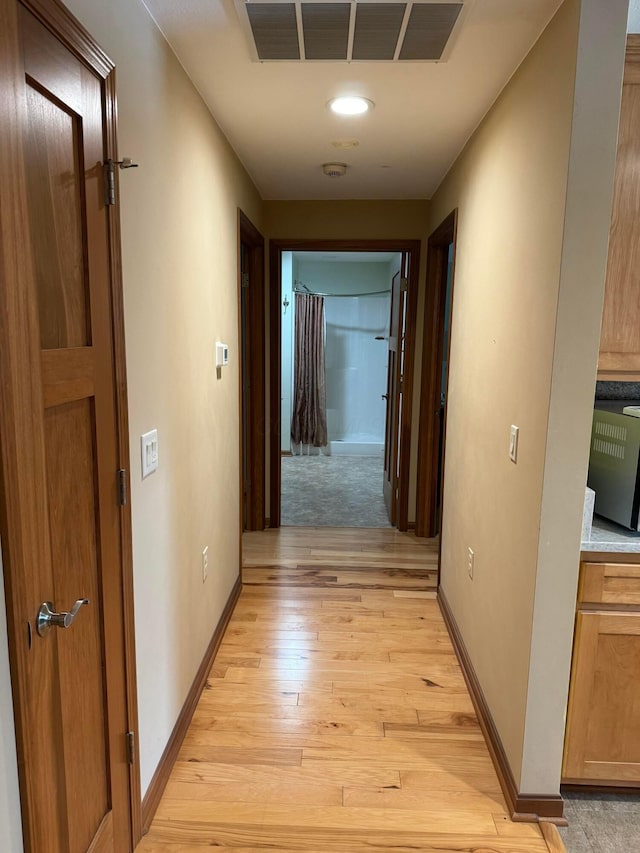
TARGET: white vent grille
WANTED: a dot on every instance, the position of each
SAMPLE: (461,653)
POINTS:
(608,448)
(610,430)
(368,31)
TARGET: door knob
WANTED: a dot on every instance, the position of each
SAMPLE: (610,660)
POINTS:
(385,396)
(48,619)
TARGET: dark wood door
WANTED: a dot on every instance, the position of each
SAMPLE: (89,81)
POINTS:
(72,716)
(395,368)
(252,342)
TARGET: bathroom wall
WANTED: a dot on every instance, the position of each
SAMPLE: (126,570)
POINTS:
(355,361)
(356,365)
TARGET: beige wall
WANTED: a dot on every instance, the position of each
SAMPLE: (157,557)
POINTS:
(370,220)
(510,186)
(179,243)
(596,110)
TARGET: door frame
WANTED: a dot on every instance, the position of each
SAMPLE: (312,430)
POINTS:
(249,235)
(429,430)
(276,248)
(22,541)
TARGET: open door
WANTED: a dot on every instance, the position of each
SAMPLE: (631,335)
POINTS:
(62,428)
(394,395)
(252,378)
(435,376)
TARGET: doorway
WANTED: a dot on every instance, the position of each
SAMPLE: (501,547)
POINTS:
(64,520)
(441,250)
(281,395)
(335,334)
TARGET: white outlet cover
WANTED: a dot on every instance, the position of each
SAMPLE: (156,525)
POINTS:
(149,452)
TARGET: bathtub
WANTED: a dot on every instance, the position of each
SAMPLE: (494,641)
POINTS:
(356,447)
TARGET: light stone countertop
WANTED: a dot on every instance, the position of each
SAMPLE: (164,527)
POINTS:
(607,536)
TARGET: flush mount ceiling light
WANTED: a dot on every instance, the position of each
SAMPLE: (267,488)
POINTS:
(350,106)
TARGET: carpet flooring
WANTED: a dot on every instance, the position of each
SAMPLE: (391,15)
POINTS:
(333,491)
(601,823)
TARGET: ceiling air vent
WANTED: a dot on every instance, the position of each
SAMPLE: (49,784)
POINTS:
(428,30)
(326,30)
(370,31)
(377,30)
(275,30)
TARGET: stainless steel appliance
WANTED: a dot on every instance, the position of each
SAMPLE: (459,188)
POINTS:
(614,473)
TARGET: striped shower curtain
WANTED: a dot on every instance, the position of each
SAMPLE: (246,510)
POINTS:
(309,422)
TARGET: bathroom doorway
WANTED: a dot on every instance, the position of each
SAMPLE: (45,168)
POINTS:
(335,345)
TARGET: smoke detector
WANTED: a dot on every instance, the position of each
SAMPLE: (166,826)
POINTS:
(344,144)
(334,170)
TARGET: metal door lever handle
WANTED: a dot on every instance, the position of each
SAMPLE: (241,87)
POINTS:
(385,396)
(48,618)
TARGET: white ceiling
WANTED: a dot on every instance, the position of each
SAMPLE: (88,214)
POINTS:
(275,114)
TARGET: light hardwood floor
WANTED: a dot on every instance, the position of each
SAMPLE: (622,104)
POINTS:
(336,718)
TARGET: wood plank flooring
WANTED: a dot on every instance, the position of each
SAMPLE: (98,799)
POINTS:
(336,718)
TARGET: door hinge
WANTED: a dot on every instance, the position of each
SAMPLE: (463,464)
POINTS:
(404,284)
(245,279)
(131,747)
(109,167)
(122,487)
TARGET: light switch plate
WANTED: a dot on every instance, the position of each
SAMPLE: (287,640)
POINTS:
(513,443)
(149,452)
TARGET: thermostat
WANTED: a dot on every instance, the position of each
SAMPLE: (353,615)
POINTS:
(222,355)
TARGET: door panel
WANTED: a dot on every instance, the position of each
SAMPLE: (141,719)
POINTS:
(56,213)
(73,515)
(72,716)
(394,395)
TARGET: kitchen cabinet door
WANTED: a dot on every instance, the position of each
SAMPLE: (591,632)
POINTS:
(603,725)
(620,337)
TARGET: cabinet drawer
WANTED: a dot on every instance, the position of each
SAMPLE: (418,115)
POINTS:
(609,583)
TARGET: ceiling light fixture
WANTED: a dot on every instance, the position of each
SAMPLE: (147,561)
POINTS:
(350,106)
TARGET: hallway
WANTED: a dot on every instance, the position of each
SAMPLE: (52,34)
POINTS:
(336,717)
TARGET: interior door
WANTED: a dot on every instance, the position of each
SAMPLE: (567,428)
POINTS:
(69,669)
(395,370)
(245,343)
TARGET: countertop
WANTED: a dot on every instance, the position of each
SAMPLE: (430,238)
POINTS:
(607,536)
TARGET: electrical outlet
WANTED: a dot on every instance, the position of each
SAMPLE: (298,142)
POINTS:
(470,562)
(205,563)
(513,443)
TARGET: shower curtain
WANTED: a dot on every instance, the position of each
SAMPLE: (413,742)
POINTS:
(309,422)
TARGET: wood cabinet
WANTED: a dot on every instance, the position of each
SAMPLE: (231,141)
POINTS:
(602,744)
(620,337)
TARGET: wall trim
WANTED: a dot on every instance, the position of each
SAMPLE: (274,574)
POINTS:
(523,807)
(156,788)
